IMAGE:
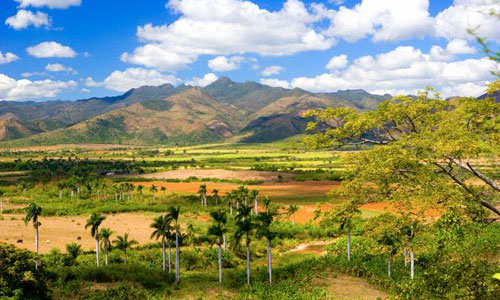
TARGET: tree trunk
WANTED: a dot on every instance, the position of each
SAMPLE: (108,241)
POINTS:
(169,258)
(225,245)
(405,254)
(389,266)
(97,249)
(204,200)
(248,259)
(293,220)
(231,209)
(125,253)
(1,206)
(256,207)
(220,261)
(269,263)
(60,194)
(106,253)
(36,246)
(177,266)
(163,253)
(412,265)
(348,245)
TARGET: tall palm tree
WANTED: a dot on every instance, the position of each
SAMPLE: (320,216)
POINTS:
(33,212)
(218,229)
(123,244)
(163,190)
(94,222)
(244,227)
(106,241)
(162,229)
(202,191)
(153,189)
(140,187)
(253,196)
(60,187)
(345,215)
(267,203)
(173,214)
(292,209)
(215,196)
(264,221)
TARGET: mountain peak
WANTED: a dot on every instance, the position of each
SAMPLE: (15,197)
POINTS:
(222,81)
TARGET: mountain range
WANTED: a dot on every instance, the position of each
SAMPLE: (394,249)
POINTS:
(246,112)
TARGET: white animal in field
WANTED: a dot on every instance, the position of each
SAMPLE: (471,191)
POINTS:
(47,241)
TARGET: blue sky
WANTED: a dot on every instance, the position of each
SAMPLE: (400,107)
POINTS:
(73,49)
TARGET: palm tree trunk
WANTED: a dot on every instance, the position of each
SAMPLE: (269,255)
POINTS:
(224,236)
(60,194)
(125,253)
(248,259)
(269,263)
(412,265)
(348,245)
(405,254)
(169,258)
(256,207)
(389,266)
(293,220)
(220,261)
(97,250)
(163,253)
(106,256)
(36,246)
(177,266)
(231,209)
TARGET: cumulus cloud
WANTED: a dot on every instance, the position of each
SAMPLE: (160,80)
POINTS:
(25,18)
(405,70)
(51,49)
(85,90)
(223,64)
(7,57)
(122,81)
(60,68)
(203,81)
(384,20)
(11,89)
(275,82)
(272,70)
(337,62)
(225,27)
(61,4)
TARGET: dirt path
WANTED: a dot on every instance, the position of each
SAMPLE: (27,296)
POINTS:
(345,287)
(317,247)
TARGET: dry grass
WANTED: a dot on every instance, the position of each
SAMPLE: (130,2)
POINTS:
(220,174)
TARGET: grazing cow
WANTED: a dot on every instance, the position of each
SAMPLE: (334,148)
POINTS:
(79,238)
(47,241)
(19,241)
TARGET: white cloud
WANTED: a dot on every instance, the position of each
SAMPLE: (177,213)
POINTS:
(60,68)
(275,82)
(11,89)
(458,46)
(85,90)
(50,49)
(225,27)
(384,20)
(337,62)
(62,4)
(89,81)
(203,81)
(7,57)
(453,22)
(122,81)
(25,18)
(272,70)
(223,64)
(405,70)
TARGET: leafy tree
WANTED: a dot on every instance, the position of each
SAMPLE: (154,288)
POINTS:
(163,190)
(140,187)
(122,243)
(106,242)
(173,214)
(162,227)
(94,222)
(344,216)
(215,196)
(263,224)
(218,229)
(33,212)
(73,250)
(153,189)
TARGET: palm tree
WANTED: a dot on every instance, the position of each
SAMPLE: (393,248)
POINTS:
(173,214)
(60,187)
(267,203)
(162,228)
(202,191)
(140,187)
(215,195)
(106,241)
(253,196)
(292,209)
(123,244)
(344,216)
(73,251)
(264,221)
(163,190)
(244,227)
(153,189)
(218,229)
(94,222)
(33,212)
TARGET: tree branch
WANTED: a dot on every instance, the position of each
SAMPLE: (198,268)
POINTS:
(467,166)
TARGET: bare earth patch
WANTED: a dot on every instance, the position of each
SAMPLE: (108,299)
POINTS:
(56,232)
(346,287)
(220,174)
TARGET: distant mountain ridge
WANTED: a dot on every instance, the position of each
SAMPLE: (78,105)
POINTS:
(167,114)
